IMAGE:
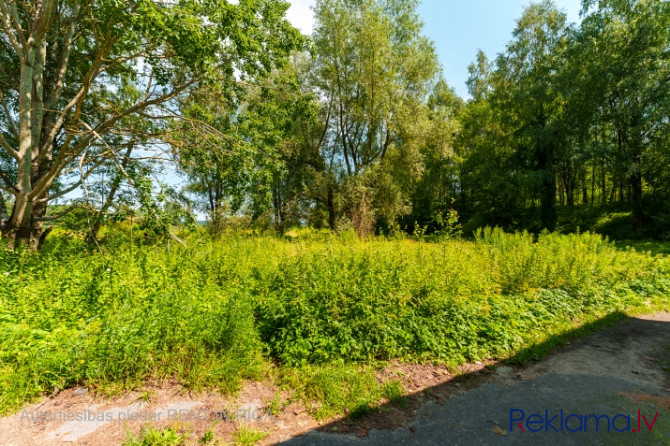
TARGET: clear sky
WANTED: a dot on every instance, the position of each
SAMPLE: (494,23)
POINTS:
(458,28)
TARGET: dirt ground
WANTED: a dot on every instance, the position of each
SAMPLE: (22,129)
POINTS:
(620,368)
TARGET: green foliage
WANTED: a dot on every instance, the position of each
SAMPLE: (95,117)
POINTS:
(246,436)
(569,114)
(216,312)
(447,223)
(404,300)
(338,388)
(355,128)
(374,70)
(110,68)
(154,437)
(116,319)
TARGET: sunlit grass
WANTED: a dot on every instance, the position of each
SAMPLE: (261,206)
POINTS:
(218,312)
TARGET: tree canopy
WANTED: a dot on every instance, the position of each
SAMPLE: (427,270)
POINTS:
(353,128)
(76,72)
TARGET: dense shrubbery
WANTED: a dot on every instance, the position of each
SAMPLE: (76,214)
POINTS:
(214,313)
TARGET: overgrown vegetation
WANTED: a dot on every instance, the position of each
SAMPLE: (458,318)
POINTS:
(320,306)
(177,435)
(338,388)
(338,174)
(247,436)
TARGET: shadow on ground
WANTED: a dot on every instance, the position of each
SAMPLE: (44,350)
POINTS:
(617,369)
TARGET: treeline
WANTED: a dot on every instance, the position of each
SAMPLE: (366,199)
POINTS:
(353,128)
(362,131)
(572,115)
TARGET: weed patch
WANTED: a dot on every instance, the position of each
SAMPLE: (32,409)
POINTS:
(218,312)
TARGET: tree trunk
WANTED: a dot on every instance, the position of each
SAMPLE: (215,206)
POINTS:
(330,204)
(570,195)
(545,158)
(548,201)
(37,225)
(603,183)
(18,227)
(593,182)
(636,195)
(585,194)
(613,191)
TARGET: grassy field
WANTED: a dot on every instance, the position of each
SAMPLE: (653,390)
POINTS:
(314,312)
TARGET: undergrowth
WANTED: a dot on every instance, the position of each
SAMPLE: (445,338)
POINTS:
(217,312)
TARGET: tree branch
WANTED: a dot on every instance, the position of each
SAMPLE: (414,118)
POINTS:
(73,186)
(8,148)
(130,180)
(11,36)
(20,31)
(46,17)
(63,62)
(12,124)
(57,216)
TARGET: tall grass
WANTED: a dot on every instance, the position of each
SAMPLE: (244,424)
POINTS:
(217,312)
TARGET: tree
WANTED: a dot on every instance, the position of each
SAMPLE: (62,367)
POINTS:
(571,114)
(436,187)
(209,148)
(513,131)
(626,49)
(71,57)
(289,111)
(260,149)
(489,174)
(374,70)
(529,93)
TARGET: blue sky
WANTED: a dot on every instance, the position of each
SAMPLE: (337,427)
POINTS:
(458,28)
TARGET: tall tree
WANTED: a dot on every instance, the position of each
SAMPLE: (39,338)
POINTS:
(374,69)
(626,48)
(436,186)
(529,94)
(64,60)
(288,108)
(211,150)
(488,173)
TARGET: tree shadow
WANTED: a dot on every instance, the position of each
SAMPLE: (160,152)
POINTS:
(652,247)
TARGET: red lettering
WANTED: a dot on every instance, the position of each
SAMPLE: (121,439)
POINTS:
(652,423)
